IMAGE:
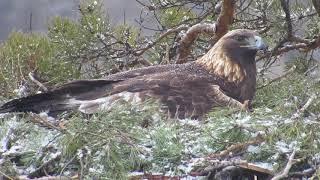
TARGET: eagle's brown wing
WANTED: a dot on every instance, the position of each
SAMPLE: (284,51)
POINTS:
(183,94)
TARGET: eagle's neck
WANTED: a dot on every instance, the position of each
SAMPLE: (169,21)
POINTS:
(219,63)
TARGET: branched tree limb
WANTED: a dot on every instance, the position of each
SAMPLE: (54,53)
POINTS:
(301,44)
(305,47)
(190,36)
(37,82)
(304,107)
(38,170)
(290,34)
(225,19)
(219,29)
(286,170)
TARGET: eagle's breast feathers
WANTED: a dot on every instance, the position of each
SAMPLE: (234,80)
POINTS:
(222,66)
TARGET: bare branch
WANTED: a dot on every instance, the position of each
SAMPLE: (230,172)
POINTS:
(190,36)
(304,107)
(225,19)
(44,165)
(290,41)
(291,70)
(150,45)
(217,29)
(236,147)
(311,69)
(305,47)
(286,170)
(290,34)
(6,176)
(33,79)
(38,119)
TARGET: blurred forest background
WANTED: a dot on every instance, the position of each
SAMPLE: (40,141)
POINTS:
(91,39)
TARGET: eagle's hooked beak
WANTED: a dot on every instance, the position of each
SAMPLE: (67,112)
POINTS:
(259,44)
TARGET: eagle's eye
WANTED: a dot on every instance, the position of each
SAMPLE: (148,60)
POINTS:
(240,38)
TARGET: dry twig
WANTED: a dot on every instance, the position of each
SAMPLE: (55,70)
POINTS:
(291,70)
(311,69)
(44,165)
(42,121)
(140,51)
(286,170)
(6,176)
(33,79)
(236,147)
(306,46)
(304,107)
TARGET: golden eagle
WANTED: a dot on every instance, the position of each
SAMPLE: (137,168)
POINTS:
(225,76)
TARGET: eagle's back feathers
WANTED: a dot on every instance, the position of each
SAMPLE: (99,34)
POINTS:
(224,76)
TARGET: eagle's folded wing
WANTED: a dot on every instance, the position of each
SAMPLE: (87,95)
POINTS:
(184,95)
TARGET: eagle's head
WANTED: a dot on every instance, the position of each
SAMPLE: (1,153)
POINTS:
(233,54)
(241,45)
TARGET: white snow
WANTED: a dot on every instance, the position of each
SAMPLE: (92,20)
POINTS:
(254,149)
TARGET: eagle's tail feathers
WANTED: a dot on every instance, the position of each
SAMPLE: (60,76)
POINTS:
(60,99)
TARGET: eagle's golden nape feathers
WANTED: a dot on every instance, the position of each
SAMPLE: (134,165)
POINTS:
(234,50)
(225,76)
